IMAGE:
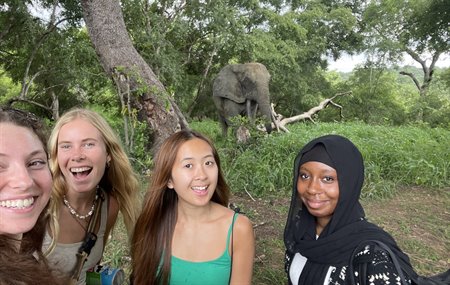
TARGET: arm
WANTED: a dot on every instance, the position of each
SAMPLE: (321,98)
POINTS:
(243,251)
(377,268)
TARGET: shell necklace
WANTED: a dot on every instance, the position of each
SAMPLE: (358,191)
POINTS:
(75,213)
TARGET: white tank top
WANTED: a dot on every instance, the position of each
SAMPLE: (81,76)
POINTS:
(63,257)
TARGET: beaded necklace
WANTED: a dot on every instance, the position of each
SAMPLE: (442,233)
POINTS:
(75,213)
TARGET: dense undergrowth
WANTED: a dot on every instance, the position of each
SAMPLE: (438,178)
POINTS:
(406,156)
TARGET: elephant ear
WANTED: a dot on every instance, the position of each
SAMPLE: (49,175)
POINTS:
(227,85)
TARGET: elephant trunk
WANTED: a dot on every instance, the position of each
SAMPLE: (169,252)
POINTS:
(266,110)
(262,98)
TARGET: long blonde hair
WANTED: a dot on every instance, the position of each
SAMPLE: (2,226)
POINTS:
(119,179)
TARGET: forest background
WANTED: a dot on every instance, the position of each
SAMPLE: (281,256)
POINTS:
(148,67)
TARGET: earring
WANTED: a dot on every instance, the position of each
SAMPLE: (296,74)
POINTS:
(108,163)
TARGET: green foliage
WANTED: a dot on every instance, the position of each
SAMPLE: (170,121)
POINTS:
(445,77)
(414,156)
(376,97)
(8,88)
(178,41)
(383,96)
(57,60)
(436,111)
(417,26)
(138,152)
(208,127)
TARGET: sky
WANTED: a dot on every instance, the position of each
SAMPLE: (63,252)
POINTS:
(347,62)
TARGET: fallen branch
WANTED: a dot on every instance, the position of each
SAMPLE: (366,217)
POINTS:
(249,195)
(282,122)
(258,225)
(260,258)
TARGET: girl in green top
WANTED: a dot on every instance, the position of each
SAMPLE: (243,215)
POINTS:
(185,233)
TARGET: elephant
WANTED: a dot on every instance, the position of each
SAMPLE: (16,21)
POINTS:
(242,89)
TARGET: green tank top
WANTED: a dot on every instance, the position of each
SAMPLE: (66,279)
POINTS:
(213,272)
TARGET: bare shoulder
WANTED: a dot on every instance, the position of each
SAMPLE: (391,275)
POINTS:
(221,213)
(243,225)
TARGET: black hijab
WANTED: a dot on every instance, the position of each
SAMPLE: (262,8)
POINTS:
(347,228)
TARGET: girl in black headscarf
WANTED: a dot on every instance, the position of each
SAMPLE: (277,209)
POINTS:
(326,221)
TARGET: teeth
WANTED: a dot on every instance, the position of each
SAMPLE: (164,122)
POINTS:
(79,169)
(199,188)
(18,204)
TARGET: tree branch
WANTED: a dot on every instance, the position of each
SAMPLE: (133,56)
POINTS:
(434,60)
(416,57)
(412,77)
(17,99)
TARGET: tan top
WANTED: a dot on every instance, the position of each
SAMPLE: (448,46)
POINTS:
(63,257)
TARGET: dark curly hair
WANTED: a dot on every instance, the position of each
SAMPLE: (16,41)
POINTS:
(28,264)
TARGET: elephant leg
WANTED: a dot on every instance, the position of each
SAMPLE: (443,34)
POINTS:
(228,109)
(224,123)
(219,102)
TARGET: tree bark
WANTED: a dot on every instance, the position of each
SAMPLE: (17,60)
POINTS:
(108,33)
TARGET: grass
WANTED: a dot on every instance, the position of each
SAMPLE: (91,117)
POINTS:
(407,155)
(407,190)
(419,219)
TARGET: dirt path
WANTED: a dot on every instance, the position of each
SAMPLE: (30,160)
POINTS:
(419,219)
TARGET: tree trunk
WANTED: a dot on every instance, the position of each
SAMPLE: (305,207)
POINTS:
(108,33)
(427,76)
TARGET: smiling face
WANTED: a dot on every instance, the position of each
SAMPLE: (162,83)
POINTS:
(81,155)
(194,173)
(25,179)
(318,188)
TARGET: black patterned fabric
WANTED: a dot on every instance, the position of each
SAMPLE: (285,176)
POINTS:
(346,229)
(372,266)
